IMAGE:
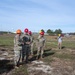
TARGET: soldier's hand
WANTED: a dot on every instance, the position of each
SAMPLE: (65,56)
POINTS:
(27,42)
(22,43)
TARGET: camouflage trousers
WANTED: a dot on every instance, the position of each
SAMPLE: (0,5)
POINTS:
(40,49)
(31,48)
(17,56)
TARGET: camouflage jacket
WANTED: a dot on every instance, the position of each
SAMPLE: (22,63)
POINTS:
(41,41)
(17,42)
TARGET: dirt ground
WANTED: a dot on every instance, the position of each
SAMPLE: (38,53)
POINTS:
(56,67)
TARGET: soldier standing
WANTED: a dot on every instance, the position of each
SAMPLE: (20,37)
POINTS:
(26,46)
(17,48)
(31,43)
(41,44)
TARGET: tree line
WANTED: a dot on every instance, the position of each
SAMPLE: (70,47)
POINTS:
(51,32)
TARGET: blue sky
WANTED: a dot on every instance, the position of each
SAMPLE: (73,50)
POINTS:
(37,14)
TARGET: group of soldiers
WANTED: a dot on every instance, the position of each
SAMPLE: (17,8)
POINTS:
(23,46)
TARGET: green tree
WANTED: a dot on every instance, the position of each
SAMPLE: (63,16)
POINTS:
(58,31)
(50,32)
(43,30)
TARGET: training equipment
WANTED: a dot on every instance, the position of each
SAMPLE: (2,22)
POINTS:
(18,31)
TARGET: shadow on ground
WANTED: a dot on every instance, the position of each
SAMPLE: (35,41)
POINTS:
(63,47)
(5,66)
(47,52)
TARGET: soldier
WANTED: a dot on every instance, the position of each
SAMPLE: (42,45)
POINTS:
(26,46)
(41,44)
(17,48)
(59,41)
(32,42)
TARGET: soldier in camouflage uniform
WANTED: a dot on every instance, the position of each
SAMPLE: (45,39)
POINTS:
(17,48)
(32,43)
(41,44)
(26,46)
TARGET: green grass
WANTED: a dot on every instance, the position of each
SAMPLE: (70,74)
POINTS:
(21,71)
(6,41)
(69,44)
(48,59)
(65,56)
(51,44)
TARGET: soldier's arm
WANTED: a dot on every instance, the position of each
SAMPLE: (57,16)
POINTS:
(44,42)
(18,41)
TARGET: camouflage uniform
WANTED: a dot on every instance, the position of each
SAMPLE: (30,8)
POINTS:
(31,44)
(26,47)
(41,44)
(17,49)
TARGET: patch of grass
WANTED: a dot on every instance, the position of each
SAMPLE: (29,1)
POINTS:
(48,59)
(6,41)
(64,56)
(48,56)
(51,44)
(69,44)
(21,71)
